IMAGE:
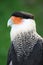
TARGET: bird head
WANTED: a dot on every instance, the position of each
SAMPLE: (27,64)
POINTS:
(21,22)
(17,17)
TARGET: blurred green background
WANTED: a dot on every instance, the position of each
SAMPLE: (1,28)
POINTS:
(6,8)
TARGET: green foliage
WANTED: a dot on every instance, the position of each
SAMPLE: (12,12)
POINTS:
(6,8)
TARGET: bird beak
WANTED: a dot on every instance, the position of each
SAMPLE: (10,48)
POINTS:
(9,22)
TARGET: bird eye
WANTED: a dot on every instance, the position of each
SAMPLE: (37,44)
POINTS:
(16,20)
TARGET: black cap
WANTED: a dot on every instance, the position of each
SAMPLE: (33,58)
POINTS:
(24,15)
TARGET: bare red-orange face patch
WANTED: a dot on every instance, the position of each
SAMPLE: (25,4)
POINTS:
(16,20)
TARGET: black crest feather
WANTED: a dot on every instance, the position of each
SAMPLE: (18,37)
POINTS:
(22,14)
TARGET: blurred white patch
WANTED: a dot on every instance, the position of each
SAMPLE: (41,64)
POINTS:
(10,63)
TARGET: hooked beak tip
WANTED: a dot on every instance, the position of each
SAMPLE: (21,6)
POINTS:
(9,23)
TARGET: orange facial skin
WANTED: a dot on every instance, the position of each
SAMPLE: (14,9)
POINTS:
(16,20)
